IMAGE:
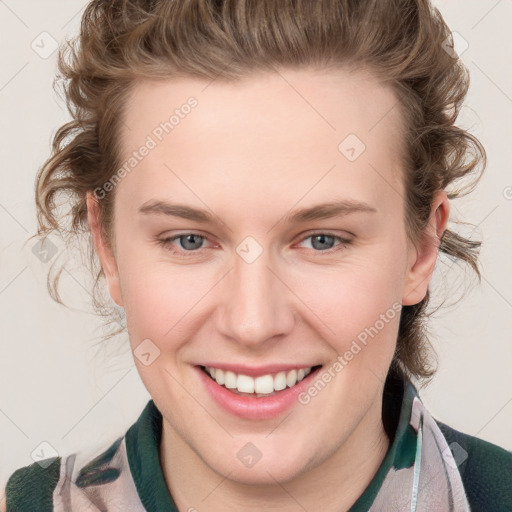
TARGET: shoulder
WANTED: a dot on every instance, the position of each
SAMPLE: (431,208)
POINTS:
(485,469)
(30,488)
(45,486)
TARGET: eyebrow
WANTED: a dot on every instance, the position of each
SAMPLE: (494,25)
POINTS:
(316,212)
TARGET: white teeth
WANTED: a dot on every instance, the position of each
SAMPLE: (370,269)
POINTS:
(291,378)
(230,380)
(280,381)
(219,376)
(262,385)
(245,384)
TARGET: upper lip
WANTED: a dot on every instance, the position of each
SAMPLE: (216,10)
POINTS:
(255,371)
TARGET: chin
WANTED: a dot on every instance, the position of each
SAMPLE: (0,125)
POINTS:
(265,471)
(267,474)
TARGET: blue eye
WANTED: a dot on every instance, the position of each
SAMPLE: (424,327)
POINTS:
(191,243)
(324,241)
(188,241)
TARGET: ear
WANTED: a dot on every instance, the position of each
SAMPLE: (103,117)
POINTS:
(422,257)
(103,250)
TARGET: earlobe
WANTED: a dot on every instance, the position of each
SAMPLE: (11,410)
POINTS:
(423,257)
(103,250)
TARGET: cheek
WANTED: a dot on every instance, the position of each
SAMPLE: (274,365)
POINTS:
(159,296)
(358,302)
(351,297)
(341,300)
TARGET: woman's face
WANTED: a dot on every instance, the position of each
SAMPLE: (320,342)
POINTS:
(292,187)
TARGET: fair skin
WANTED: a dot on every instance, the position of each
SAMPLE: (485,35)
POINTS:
(252,153)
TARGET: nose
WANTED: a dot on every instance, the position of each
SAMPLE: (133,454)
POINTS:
(256,305)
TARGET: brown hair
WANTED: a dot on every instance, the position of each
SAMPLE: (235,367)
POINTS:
(404,42)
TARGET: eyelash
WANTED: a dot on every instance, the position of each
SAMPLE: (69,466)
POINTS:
(167,243)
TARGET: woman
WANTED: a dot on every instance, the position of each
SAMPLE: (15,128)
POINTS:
(310,151)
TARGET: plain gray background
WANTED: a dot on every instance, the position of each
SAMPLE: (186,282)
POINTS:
(54,388)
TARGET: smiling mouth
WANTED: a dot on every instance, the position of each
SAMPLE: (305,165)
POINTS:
(261,386)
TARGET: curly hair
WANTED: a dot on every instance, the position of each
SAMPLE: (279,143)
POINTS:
(405,43)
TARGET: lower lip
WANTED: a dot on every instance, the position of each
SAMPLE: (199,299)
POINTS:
(254,408)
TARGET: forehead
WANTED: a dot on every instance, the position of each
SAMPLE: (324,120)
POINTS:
(265,130)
